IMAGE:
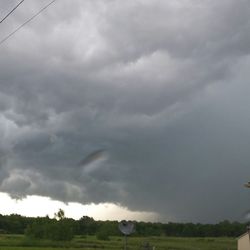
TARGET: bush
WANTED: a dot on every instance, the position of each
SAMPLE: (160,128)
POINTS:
(55,230)
(102,235)
(61,231)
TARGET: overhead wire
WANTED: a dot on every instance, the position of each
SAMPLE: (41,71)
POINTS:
(12,11)
(29,20)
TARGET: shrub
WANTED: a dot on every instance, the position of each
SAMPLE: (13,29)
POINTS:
(55,230)
(102,235)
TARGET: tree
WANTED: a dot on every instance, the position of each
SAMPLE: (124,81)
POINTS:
(87,226)
(59,215)
(102,234)
(59,228)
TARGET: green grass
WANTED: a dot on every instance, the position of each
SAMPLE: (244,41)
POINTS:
(20,242)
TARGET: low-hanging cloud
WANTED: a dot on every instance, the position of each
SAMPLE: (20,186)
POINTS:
(160,85)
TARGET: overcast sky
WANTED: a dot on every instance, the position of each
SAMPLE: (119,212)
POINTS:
(160,88)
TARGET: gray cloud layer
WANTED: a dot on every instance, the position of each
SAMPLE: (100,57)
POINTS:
(160,85)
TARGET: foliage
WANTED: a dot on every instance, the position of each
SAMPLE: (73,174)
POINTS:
(64,228)
(60,214)
(103,233)
(87,226)
(45,228)
(60,230)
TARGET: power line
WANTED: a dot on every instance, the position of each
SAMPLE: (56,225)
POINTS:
(29,20)
(12,11)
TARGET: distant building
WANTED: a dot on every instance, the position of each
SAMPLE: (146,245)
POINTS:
(244,242)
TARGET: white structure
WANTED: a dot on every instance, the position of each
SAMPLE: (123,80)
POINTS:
(244,242)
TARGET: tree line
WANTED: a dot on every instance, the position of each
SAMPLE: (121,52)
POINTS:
(61,228)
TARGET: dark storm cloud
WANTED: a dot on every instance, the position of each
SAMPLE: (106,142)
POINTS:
(160,85)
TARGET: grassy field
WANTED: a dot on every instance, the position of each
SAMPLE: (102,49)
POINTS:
(19,242)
